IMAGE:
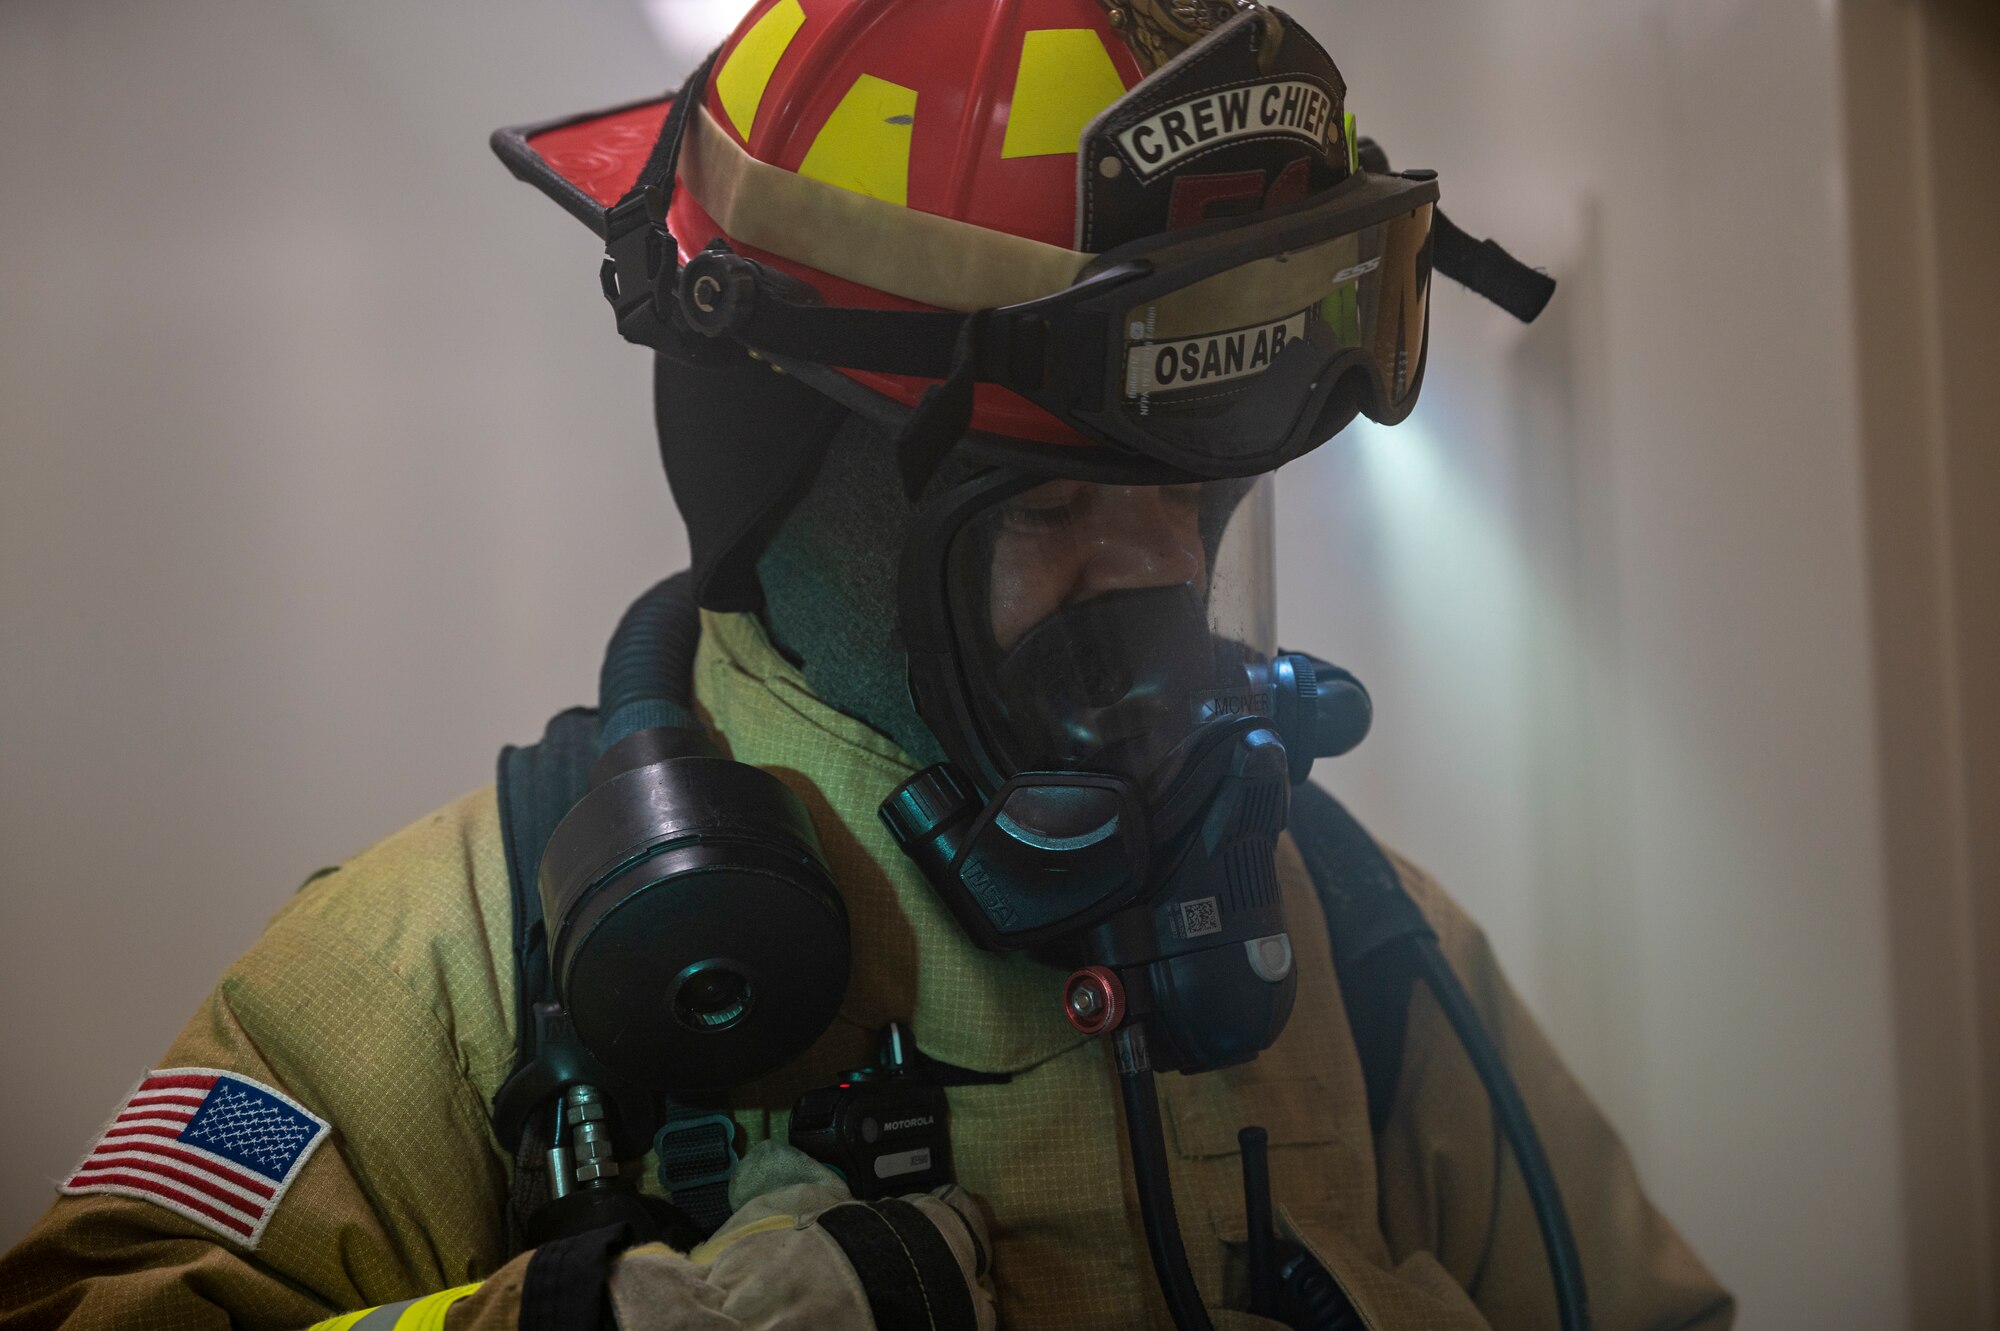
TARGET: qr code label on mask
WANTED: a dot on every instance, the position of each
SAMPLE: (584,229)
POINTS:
(1200,917)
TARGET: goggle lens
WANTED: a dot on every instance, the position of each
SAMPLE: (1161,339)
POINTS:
(1236,367)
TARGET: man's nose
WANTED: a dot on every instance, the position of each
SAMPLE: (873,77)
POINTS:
(1141,537)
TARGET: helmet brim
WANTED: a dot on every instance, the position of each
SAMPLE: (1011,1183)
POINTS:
(586,162)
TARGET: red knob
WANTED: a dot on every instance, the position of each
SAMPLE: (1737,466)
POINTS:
(1094,1000)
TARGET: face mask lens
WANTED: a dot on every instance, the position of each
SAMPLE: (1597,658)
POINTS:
(1102,625)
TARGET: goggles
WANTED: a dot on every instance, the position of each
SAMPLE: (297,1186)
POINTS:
(1223,351)
(1202,346)
(1211,347)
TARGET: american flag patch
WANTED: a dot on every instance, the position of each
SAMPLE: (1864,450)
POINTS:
(217,1147)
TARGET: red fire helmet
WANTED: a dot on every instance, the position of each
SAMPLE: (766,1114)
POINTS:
(894,154)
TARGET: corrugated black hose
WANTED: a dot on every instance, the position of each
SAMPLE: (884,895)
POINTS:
(644,682)
(1312,1299)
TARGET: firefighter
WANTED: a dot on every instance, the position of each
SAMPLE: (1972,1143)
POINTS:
(980,331)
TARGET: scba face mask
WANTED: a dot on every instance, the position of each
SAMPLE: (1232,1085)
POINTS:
(1096,656)
(1101,625)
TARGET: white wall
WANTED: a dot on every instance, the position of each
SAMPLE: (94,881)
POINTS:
(325,473)
(1607,586)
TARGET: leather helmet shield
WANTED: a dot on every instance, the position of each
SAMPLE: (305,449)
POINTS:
(1250,118)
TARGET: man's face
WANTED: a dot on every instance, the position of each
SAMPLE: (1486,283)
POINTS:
(1065,542)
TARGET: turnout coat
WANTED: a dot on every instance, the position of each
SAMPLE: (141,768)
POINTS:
(380,1002)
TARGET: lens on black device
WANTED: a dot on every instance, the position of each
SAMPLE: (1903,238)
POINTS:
(712,996)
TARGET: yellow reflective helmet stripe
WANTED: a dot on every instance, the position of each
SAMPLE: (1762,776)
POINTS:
(917,255)
(864,146)
(741,81)
(420,1314)
(1065,78)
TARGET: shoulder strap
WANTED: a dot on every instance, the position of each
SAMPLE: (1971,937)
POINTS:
(1373,926)
(538,784)
(647,680)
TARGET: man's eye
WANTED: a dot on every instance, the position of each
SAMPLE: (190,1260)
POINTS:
(1039,517)
(1048,507)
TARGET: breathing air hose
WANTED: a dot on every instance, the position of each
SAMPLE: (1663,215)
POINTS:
(1565,1267)
(1313,1301)
(1156,1189)
(1311,1287)
(645,678)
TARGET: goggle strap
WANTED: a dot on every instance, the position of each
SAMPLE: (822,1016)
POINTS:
(768,310)
(922,343)
(1488,270)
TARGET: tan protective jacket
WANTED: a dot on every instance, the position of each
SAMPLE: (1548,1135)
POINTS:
(381,998)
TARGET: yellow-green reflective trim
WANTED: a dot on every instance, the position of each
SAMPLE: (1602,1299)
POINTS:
(864,145)
(741,81)
(905,251)
(427,1314)
(1353,149)
(420,1314)
(1064,79)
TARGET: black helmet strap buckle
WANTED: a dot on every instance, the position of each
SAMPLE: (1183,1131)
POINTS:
(641,271)
(641,267)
